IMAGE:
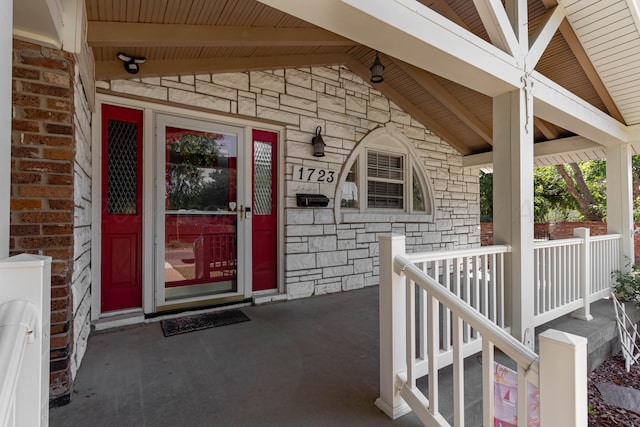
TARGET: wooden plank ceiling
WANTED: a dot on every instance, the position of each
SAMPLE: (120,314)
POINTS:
(199,36)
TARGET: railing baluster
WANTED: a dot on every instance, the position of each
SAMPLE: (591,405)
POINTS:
(492,289)
(458,373)
(485,286)
(410,331)
(446,314)
(467,293)
(487,383)
(500,290)
(476,287)
(433,348)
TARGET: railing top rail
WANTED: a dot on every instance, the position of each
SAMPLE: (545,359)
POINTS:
(606,237)
(558,243)
(517,351)
(458,253)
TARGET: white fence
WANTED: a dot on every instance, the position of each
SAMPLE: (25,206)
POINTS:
(428,321)
(25,285)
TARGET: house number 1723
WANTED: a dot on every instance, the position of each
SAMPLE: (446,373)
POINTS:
(309,174)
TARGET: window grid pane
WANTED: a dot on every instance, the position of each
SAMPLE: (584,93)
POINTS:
(385,183)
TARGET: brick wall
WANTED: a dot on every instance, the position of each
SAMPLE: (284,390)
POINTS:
(561,230)
(322,256)
(42,197)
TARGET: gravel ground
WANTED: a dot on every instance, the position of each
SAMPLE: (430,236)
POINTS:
(612,371)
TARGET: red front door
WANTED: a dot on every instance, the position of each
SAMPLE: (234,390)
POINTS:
(265,211)
(121,249)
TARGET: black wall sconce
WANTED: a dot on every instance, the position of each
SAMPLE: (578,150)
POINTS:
(318,143)
(131,63)
(376,70)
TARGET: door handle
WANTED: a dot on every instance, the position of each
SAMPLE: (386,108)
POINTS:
(241,212)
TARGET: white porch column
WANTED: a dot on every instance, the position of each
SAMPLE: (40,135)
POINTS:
(392,327)
(513,205)
(620,199)
(6,48)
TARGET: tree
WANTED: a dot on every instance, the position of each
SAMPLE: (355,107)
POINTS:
(584,195)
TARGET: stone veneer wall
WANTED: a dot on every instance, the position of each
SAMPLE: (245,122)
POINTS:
(45,209)
(81,279)
(322,256)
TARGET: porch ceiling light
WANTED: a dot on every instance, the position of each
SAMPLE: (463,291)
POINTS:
(318,143)
(131,63)
(376,70)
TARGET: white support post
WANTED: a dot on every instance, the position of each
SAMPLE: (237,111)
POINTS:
(585,273)
(392,327)
(563,356)
(513,205)
(620,200)
(28,278)
(6,60)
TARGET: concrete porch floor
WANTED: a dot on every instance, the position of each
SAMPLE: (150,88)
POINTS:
(311,362)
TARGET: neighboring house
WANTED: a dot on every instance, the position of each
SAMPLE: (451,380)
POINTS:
(195,182)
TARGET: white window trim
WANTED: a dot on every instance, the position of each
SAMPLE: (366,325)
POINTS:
(382,139)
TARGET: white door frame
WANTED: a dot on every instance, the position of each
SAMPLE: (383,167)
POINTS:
(150,109)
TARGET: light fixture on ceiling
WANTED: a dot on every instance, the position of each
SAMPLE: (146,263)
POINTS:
(131,63)
(376,70)
(318,143)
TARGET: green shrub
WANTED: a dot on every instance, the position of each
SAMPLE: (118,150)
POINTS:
(627,284)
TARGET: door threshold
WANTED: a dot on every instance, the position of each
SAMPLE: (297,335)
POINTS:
(111,321)
(268,298)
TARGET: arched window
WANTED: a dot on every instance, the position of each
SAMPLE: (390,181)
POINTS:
(383,180)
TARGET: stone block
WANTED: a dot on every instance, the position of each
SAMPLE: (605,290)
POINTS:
(338,130)
(304,230)
(238,81)
(331,103)
(378,116)
(331,259)
(323,216)
(300,261)
(299,216)
(140,89)
(300,290)
(280,116)
(247,106)
(262,80)
(203,101)
(322,244)
(356,104)
(216,90)
(341,271)
(364,265)
(358,254)
(353,282)
(326,72)
(301,103)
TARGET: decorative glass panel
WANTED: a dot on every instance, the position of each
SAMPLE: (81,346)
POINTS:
(262,173)
(350,188)
(122,154)
(418,195)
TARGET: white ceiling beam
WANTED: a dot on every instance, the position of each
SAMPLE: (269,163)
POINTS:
(517,11)
(560,107)
(544,33)
(498,27)
(416,34)
(413,33)
(111,70)
(558,147)
(125,34)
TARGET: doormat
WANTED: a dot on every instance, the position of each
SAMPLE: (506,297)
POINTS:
(197,322)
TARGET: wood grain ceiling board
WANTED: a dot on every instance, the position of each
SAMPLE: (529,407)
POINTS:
(610,37)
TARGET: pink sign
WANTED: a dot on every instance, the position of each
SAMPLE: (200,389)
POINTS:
(505,395)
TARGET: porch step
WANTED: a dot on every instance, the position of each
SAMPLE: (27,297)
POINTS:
(601,332)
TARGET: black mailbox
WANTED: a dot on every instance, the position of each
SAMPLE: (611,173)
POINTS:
(312,200)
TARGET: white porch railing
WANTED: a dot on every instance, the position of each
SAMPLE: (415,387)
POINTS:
(569,274)
(425,323)
(25,283)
